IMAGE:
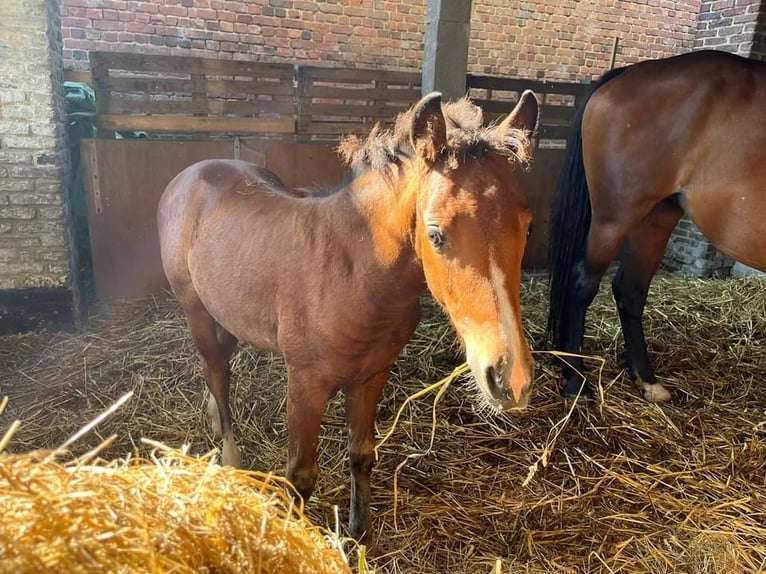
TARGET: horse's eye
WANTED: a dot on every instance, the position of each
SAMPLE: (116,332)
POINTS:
(436,237)
(530,229)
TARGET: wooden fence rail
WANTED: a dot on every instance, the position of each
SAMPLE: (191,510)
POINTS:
(185,95)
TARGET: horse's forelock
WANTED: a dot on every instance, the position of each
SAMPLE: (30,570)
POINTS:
(466,136)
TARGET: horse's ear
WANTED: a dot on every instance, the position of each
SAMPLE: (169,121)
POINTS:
(428,131)
(524,115)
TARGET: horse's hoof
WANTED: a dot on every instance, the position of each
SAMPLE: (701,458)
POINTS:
(654,392)
(230,453)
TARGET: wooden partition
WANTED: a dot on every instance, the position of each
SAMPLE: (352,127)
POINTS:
(125,178)
(286,117)
(161,94)
(334,101)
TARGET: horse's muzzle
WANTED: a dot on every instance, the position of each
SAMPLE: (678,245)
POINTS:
(510,387)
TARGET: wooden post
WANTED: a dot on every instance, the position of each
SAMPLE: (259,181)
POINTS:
(445,58)
(613,58)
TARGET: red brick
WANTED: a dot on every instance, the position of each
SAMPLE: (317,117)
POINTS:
(556,40)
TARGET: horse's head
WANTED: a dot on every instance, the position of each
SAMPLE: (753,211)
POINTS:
(471,231)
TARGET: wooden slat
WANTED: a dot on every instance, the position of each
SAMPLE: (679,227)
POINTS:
(151,85)
(251,108)
(252,87)
(547,113)
(353,75)
(335,128)
(190,124)
(552,132)
(83,76)
(362,93)
(192,65)
(562,114)
(213,107)
(518,84)
(183,85)
(346,110)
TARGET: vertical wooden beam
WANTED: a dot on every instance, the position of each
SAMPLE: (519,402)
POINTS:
(445,58)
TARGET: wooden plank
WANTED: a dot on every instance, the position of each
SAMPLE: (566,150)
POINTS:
(519,84)
(245,108)
(356,75)
(211,66)
(190,124)
(254,87)
(252,108)
(151,85)
(144,63)
(354,111)
(548,114)
(547,132)
(362,93)
(83,76)
(335,128)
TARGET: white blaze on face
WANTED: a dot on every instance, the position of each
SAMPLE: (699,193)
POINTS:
(507,321)
(510,329)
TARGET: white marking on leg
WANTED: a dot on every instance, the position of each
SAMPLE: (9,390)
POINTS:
(230,453)
(214,415)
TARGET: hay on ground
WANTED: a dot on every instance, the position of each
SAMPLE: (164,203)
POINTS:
(619,486)
(174,513)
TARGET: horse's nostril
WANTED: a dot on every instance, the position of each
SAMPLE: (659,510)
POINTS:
(494,379)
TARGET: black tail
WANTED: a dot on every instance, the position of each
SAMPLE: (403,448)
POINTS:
(570,218)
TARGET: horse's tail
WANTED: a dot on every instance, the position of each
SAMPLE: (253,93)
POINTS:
(570,217)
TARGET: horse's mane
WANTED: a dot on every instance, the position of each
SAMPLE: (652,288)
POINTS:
(466,137)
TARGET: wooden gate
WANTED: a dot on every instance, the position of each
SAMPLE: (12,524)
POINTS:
(284,117)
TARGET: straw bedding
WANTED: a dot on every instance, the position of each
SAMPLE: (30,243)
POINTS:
(175,514)
(614,486)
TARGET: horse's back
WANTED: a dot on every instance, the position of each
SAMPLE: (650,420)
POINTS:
(692,125)
(208,195)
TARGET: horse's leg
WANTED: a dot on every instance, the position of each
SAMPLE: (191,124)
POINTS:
(228,345)
(361,407)
(603,245)
(215,354)
(307,399)
(642,254)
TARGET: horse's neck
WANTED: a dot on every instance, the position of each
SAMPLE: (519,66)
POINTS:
(387,208)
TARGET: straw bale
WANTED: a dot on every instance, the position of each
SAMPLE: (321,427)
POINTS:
(617,485)
(174,514)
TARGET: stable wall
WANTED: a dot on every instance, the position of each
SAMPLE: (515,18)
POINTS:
(35,260)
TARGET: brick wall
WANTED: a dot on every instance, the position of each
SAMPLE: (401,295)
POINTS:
(557,39)
(728,25)
(34,248)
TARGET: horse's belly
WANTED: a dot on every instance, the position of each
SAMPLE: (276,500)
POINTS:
(240,301)
(731,217)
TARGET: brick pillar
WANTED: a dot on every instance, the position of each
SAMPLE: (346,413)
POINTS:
(36,277)
(737,26)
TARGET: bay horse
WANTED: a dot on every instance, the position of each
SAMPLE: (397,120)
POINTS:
(333,282)
(653,141)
